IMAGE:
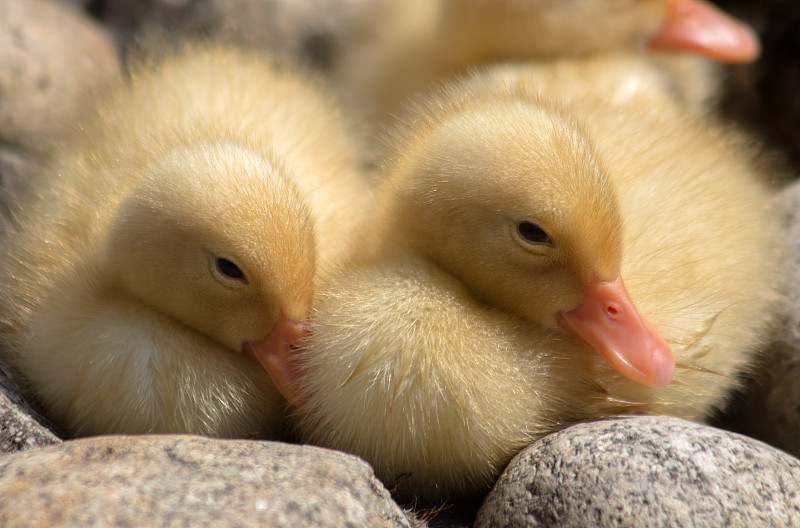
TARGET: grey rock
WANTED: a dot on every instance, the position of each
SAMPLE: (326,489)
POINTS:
(21,425)
(646,472)
(20,430)
(75,3)
(52,59)
(190,481)
(769,407)
(18,172)
(304,30)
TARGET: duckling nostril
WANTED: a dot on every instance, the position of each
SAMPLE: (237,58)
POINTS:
(613,311)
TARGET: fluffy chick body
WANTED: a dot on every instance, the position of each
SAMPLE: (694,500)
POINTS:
(437,362)
(118,302)
(399,48)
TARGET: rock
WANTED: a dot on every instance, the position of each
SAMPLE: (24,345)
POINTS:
(190,481)
(769,406)
(17,171)
(21,424)
(19,430)
(52,59)
(75,3)
(306,30)
(645,472)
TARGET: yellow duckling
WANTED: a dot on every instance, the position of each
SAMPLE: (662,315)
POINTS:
(402,46)
(495,310)
(173,231)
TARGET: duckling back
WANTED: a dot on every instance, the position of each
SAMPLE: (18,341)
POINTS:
(402,48)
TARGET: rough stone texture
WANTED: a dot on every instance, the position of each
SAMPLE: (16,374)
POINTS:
(190,481)
(21,425)
(52,58)
(646,472)
(769,408)
(75,3)
(300,29)
(16,172)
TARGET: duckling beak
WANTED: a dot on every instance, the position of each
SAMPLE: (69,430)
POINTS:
(608,321)
(695,25)
(277,354)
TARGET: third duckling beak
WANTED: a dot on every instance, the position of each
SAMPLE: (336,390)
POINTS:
(695,25)
(277,354)
(608,321)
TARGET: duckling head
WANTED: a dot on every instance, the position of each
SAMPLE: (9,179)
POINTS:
(216,237)
(509,197)
(548,28)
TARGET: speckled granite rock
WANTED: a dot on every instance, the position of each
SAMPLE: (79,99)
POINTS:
(769,408)
(21,425)
(52,58)
(190,481)
(646,472)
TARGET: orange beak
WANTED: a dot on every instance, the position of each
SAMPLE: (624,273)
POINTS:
(277,354)
(609,322)
(695,25)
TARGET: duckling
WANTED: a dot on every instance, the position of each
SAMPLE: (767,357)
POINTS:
(173,232)
(541,261)
(404,46)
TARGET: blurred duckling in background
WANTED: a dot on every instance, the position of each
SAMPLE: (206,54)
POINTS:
(495,312)
(175,230)
(402,46)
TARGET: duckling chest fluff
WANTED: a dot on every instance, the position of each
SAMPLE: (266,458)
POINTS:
(176,226)
(508,212)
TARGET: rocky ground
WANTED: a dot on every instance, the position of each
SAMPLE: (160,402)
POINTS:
(642,471)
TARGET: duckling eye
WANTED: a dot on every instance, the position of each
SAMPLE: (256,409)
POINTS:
(530,232)
(230,270)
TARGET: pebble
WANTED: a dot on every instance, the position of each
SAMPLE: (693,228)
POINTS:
(191,481)
(645,472)
(22,426)
(52,60)
(304,30)
(769,407)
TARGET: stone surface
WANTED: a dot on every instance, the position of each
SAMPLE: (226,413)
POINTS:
(769,408)
(308,30)
(52,59)
(191,481)
(646,472)
(75,3)
(17,170)
(21,425)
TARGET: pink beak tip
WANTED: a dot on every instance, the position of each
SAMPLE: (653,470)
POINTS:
(277,354)
(700,27)
(609,322)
